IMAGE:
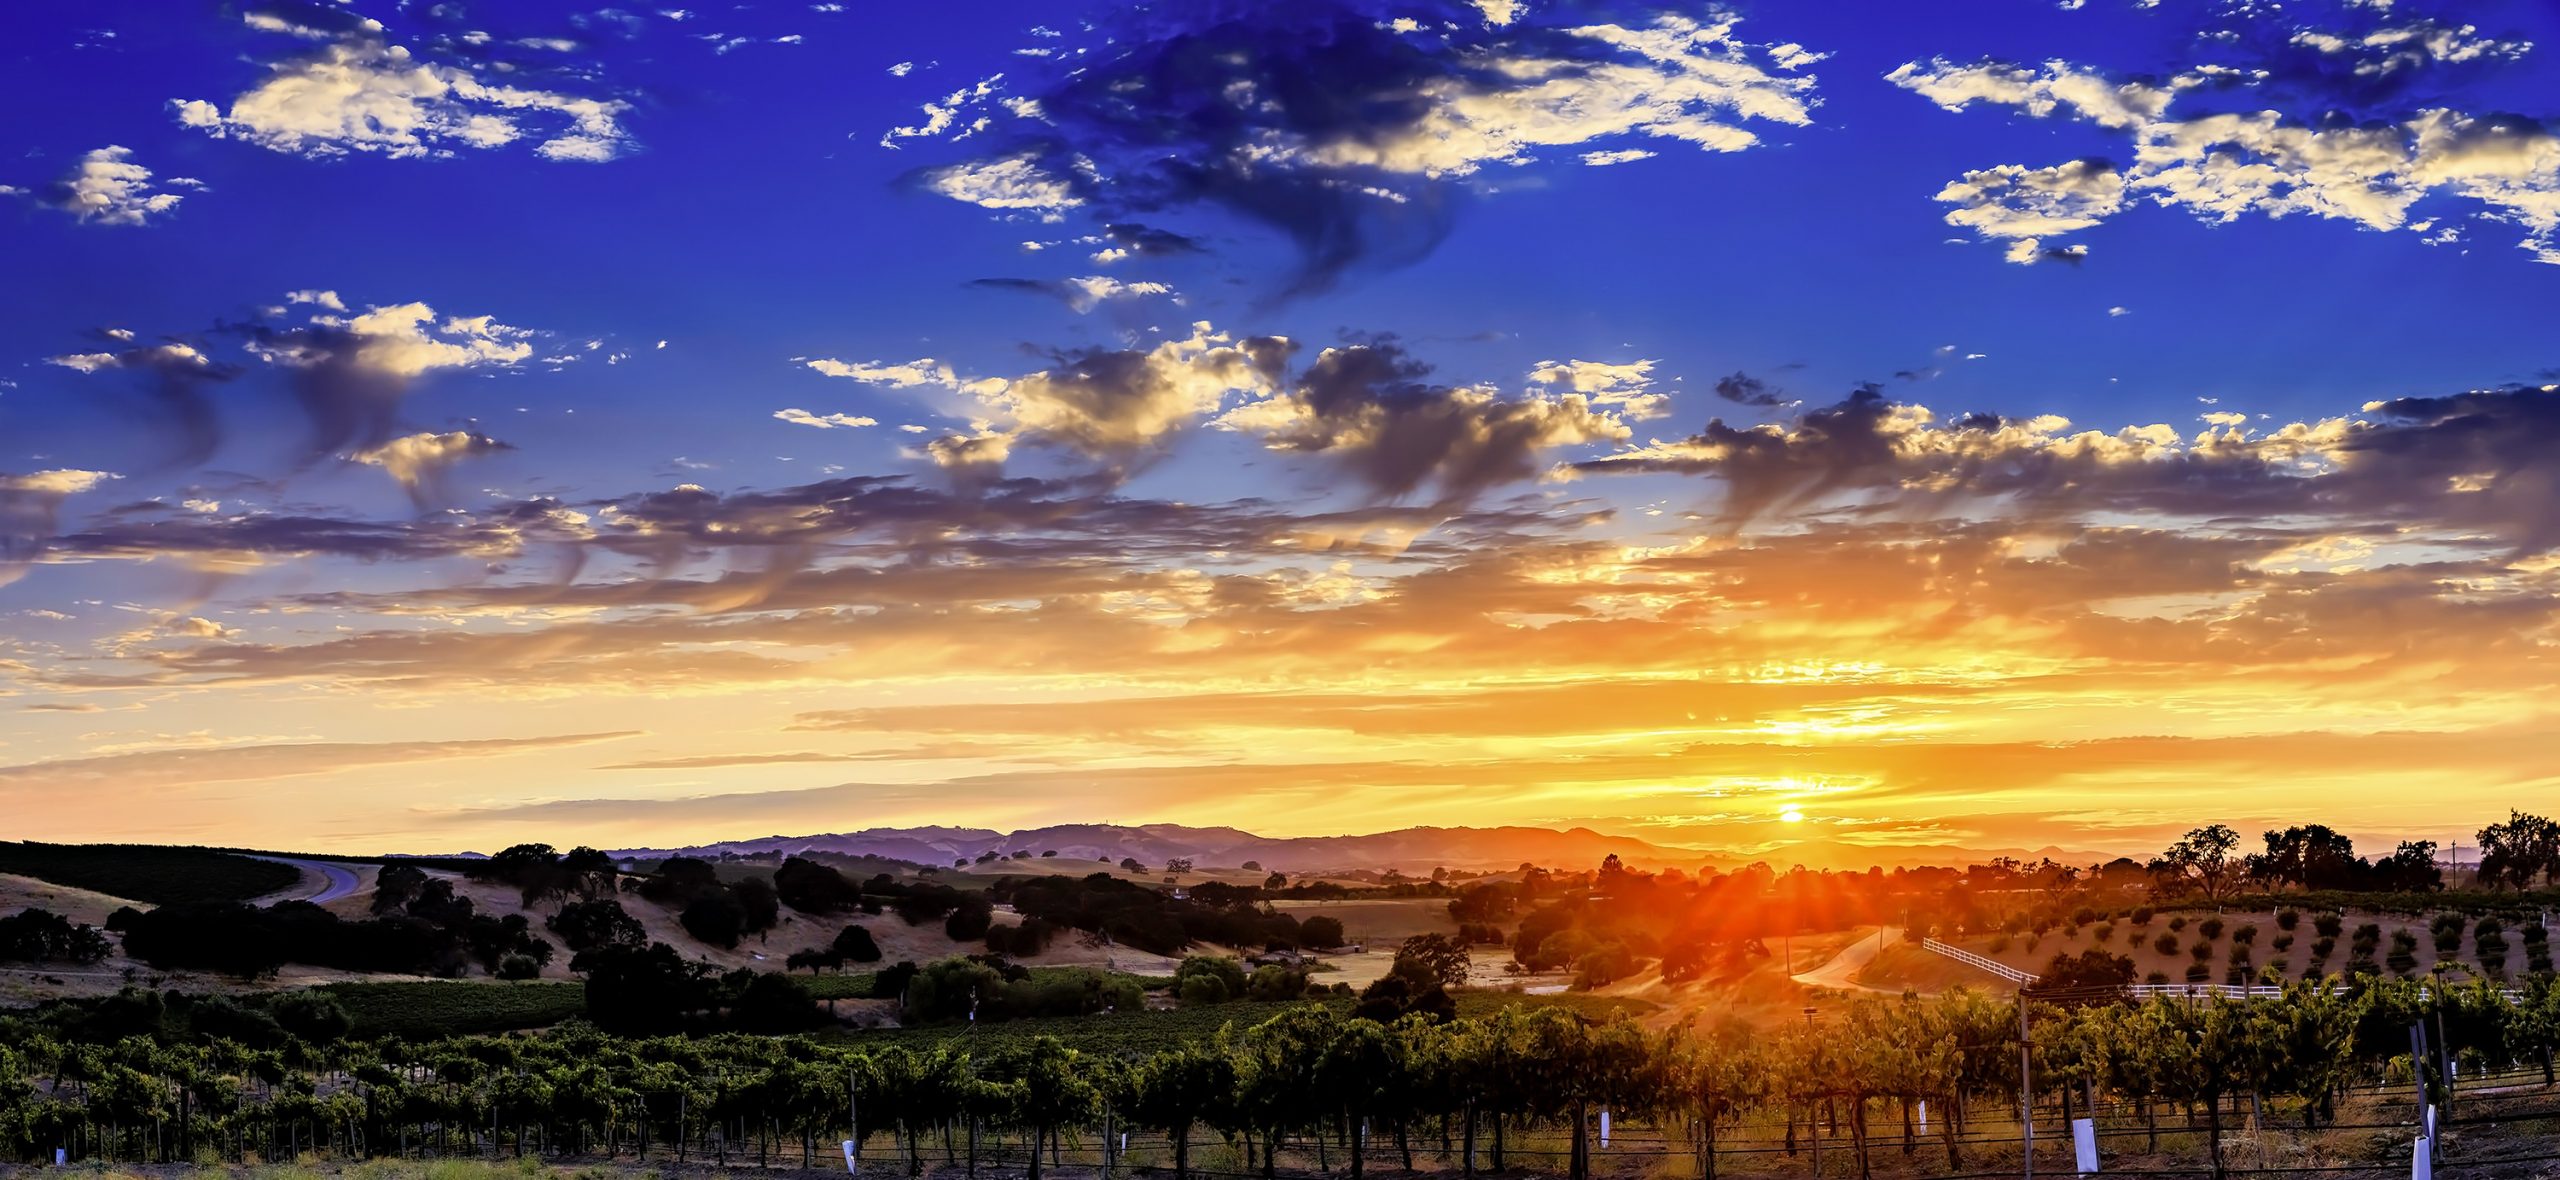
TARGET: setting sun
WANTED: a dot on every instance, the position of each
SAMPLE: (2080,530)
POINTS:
(1791,816)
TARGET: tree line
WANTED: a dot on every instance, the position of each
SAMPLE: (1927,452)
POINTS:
(202,1081)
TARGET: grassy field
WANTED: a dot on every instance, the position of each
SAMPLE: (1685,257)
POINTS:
(426,1008)
(148,873)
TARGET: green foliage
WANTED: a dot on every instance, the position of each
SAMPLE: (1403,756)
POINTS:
(149,873)
(448,1008)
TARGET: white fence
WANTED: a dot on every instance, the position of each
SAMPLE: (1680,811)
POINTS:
(1970,959)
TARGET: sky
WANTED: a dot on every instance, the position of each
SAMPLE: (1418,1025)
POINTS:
(1991,424)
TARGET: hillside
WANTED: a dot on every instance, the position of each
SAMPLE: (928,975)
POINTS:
(1415,850)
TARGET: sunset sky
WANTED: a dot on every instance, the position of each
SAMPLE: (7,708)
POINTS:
(1998,424)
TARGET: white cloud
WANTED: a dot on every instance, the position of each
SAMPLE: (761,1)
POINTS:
(108,188)
(1092,291)
(2390,50)
(1013,182)
(364,94)
(800,417)
(1628,387)
(923,371)
(408,339)
(161,357)
(1620,156)
(2027,204)
(64,481)
(416,460)
(2108,104)
(2223,166)
(1674,79)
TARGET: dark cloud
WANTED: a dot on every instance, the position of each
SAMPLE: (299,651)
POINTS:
(178,379)
(1348,126)
(1146,241)
(1371,409)
(2480,460)
(1747,390)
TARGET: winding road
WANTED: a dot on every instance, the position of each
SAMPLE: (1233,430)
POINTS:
(336,881)
(1840,971)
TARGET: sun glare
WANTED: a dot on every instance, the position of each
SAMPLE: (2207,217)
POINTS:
(1791,816)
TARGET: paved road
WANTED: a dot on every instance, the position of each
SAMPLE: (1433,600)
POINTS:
(1841,970)
(336,881)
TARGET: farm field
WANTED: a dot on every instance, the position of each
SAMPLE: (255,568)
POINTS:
(2165,948)
(429,1008)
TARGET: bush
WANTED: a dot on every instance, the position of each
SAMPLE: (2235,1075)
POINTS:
(2142,917)
(2281,942)
(2198,973)
(2328,924)
(42,936)
(2177,921)
(2156,977)
(2166,944)
(2244,935)
(2369,935)
(2103,932)
(2320,948)
(2448,940)
(1209,979)
(2536,934)
(1999,943)
(1321,932)
(2240,954)
(2288,919)
(519,966)
(2209,929)
(2200,951)
(1275,984)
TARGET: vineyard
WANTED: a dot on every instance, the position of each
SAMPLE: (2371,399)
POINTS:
(427,1009)
(2311,1081)
(149,873)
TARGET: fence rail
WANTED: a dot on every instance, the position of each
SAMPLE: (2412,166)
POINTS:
(1970,959)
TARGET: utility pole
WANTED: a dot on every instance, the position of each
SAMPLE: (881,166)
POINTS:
(2026,1091)
(1815,1115)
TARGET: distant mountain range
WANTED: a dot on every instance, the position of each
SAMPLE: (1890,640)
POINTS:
(1412,850)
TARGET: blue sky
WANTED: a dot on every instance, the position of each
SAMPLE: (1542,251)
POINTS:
(732,253)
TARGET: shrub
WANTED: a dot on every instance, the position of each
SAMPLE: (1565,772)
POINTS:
(2200,951)
(519,967)
(2281,942)
(2447,941)
(2536,934)
(2244,935)
(1999,943)
(2083,916)
(2142,917)
(2320,948)
(2155,977)
(2166,944)
(2198,973)
(2328,924)
(2288,919)
(2238,975)
(2209,929)
(2239,954)
(2177,921)
(2033,939)
(2369,934)
(2103,932)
